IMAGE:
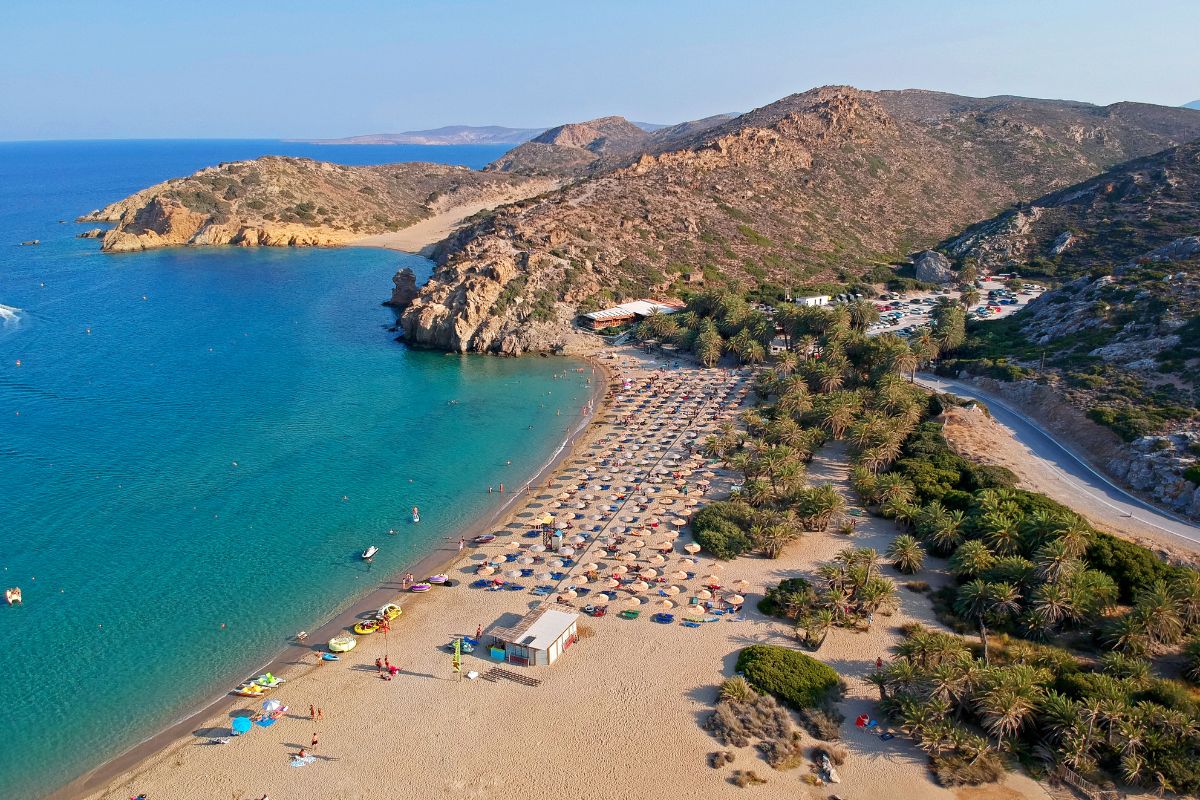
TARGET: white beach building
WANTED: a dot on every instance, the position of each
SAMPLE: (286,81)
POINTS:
(814,300)
(537,640)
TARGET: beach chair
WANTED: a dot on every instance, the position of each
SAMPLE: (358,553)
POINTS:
(688,623)
(481,583)
(629,613)
(663,619)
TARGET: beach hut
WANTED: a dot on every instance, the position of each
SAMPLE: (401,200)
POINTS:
(538,639)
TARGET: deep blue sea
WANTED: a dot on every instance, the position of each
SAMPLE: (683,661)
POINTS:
(197,444)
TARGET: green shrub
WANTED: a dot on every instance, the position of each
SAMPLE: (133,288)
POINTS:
(797,680)
(1192,474)
(1131,566)
(722,529)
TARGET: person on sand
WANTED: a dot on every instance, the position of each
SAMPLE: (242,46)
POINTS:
(502,488)
(879,663)
(378,665)
(479,631)
(312,712)
(320,714)
(314,741)
(302,754)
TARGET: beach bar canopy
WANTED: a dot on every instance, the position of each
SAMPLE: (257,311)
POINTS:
(538,639)
(628,312)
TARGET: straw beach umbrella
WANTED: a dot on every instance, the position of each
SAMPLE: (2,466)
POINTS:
(639,586)
(736,599)
(704,594)
(679,575)
(692,547)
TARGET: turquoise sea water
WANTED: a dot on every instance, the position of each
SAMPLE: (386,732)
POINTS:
(205,438)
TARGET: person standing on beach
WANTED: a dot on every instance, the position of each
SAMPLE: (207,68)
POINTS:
(462,542)
(314,741)
(320,714)
(312,712)
(502,488)
(478,632)
(379,665)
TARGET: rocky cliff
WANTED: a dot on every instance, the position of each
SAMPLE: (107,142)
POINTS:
(831,184)
(291,202)
(573,149)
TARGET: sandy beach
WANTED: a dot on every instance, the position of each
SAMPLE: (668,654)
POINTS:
(621,711)
(420,237)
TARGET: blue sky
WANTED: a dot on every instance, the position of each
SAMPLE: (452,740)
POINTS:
(129,68)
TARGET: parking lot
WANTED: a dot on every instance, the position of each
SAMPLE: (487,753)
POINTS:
(903,313)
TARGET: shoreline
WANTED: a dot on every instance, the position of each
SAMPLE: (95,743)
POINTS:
(293,655)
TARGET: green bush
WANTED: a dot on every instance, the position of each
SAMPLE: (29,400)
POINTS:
(1192,474)
(797,680)
(722,529)
(1131,566)
(724,540)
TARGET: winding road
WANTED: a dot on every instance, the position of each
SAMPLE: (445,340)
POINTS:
(1079,477)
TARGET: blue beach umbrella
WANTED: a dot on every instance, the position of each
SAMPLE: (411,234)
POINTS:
(241,725)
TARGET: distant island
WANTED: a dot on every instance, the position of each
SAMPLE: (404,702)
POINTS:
(459,134)
(448,134)
(1194,104)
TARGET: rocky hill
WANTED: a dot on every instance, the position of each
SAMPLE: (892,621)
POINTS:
(1117,216)
(276,201)
(572,149)
(831,184)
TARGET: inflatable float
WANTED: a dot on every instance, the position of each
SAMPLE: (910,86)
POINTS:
(13,596)
(420,587)
(268,681)
(250,690)
(389,611)
(342,644)
(486,538)
(440,578)
(366,627)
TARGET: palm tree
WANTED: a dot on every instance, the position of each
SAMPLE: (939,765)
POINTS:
(1156,606)
(971,559)
(906,554)
(892,487)
(1185,590)
(1128,634)
(1002,532)
(862,314)
(905,361)
(1005,709)
(984,602)
(1055,562)
(969,296)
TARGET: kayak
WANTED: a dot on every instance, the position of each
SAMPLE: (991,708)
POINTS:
(439,578)
(366,628)
(343,643)
(389,611)
(420,587)
(250,690)
(328,657)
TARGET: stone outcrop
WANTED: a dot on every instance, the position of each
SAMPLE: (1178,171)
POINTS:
(405,288)
(93,233)
(931,266)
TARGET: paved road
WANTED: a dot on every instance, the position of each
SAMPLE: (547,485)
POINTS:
(1072,468)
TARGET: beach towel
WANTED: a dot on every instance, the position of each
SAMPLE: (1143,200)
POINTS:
(303,762)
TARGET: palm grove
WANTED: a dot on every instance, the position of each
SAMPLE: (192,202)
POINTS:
(1073,628)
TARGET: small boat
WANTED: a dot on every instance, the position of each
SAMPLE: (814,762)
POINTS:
(13,596)
(328,657)
(486,538)
(250,689)
(343,643)
(440,578)
(268,681)
(420,587)
(416,515)
(389,611)
(370,552)
(366,627)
